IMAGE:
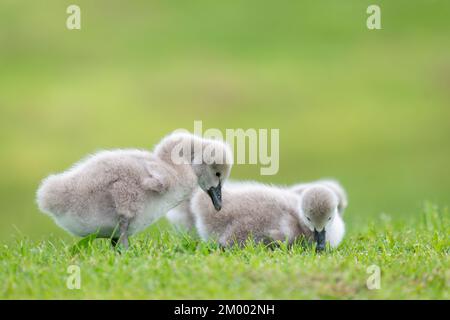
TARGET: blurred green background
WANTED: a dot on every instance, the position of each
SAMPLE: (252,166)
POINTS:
(370,108)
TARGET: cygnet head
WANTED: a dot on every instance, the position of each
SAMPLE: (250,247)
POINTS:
(211,160)
(319,205)
(212,167)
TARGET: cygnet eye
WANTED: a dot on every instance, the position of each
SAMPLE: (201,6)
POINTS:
(218,174)
(309,219)
(329,218)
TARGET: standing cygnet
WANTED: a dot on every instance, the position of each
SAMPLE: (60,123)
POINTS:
(129,189)
(319,211)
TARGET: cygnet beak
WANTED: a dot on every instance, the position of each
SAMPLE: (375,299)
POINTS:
(319,238)
(215,193)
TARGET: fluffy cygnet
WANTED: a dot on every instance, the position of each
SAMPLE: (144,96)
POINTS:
(269,213)
(266,213)
(120,192)
(319,211)
(184,220)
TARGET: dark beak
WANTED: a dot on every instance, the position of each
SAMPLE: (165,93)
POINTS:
(319,238)
(215,193)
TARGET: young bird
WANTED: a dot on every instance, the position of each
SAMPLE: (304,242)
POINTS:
(265,213)
(319,211)
(184,220)
(120,192)
(269,213)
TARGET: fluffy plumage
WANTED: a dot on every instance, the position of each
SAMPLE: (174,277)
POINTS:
(319,212)
(334,185)
(120,192)
(265,213)
(269,213)
(182,218)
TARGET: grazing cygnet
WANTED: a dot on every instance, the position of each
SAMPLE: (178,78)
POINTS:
(333,185)
(319,212)
(184,220)
(269,213)
(266,213)
(129,189)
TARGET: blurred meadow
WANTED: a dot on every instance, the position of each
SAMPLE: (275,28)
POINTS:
(368,107)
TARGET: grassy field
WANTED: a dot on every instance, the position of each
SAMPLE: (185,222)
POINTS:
(368,107)
(412,257)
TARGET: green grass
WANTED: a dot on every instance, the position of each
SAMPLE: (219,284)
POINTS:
(413,258)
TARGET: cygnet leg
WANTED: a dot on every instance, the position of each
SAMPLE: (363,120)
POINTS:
(114,242)
(123,229)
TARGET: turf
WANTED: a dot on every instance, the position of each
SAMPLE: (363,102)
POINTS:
(413,257)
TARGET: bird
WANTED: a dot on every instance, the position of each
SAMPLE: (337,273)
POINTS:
(263,212)
(117,193)
(269,213)
(319,211)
